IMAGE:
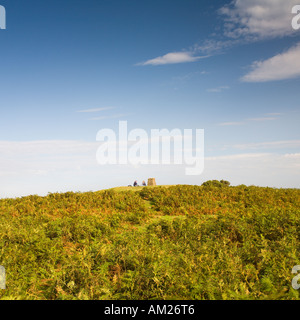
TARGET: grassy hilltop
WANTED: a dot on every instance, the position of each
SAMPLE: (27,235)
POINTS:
(172,242)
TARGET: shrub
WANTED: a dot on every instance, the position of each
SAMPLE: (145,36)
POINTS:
(216,183)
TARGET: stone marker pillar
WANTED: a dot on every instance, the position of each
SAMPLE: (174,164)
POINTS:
(151,182)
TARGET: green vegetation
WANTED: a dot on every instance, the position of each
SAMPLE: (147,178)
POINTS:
(216,183)
(176,242)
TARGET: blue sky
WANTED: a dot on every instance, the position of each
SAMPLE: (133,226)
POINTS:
(72,68)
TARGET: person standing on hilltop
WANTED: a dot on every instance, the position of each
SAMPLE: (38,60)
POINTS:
(135,183)
(144,183)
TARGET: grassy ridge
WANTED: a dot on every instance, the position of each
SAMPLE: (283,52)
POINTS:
(175,242)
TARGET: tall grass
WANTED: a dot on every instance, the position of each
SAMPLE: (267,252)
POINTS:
(180,242)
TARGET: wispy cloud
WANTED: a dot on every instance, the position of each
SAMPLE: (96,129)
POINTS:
(218,89)
(258,19)
(213,46)
(96,109)
(173,58)
(262,119)
(188,76)
(181,80)
(113,116)
(264,169)
(60,166)
(275,116)
(243,22)
(282,66)
(232,123)
(254,20)
(284,144)
(247,21)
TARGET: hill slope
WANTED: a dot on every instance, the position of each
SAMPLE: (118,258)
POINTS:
(174,242)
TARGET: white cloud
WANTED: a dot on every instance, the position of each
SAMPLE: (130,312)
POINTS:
(259,119)
(232,123)
(172,58)
(262,119)
(258,18)
(23,149)
(238,156)
(218,89)
(113,116)
(274,114)
(39,167)
(269,145)
(282,66)
(96,109)
(262,169)
(244,20)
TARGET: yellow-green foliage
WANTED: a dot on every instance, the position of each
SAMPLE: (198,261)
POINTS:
(180,242)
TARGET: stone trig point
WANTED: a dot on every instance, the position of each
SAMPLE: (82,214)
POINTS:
(151,182)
